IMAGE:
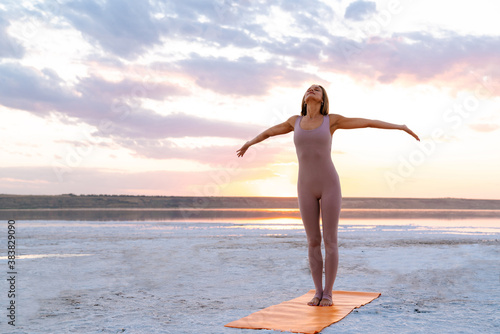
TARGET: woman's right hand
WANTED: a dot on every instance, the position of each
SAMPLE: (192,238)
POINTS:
(243,149)
(279,129)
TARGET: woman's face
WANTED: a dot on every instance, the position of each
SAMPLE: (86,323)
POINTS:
(314,93)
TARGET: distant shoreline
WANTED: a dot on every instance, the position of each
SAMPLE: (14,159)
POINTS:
(68,201)
(124,207)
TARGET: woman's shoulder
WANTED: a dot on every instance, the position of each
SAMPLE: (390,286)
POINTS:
(334,118)
(293,119)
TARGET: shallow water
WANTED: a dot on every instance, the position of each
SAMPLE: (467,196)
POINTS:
(194,277)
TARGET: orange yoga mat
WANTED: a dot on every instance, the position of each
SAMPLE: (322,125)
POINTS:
(296,316)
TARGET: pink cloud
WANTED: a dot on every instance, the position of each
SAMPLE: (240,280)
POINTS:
(244,76)
(484,127)
(44,180)
(455,60)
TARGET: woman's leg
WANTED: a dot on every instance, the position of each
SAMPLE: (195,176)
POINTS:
(330,212)
(309,211)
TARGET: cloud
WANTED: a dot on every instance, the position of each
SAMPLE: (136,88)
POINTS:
(209,33)
(28,89)
(244,76)
(112,107)
(128,28)
(484,127)
(311,16)
(359,10)
(52,181)
(211,155)
(146,124)
(416,57)
(124,27)
(106,106)
(129,89)
(306,49)
(9,46)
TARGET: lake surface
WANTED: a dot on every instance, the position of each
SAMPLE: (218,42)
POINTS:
(458,226)
(197,214)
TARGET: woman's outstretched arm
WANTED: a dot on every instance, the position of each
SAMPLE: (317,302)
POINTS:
(279,129)
(341,122)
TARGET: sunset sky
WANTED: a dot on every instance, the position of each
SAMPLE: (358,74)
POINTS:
(155,97)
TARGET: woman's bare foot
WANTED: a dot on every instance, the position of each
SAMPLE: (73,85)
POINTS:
(316,299)
(314,302)
(326,300)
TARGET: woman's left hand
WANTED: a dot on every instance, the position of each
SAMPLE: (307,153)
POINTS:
(407,130)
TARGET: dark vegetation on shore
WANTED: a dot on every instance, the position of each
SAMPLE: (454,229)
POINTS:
(71,201)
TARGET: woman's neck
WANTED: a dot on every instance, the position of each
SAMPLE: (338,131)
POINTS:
(313,110)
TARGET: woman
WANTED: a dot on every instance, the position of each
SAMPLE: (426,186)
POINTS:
(318,181)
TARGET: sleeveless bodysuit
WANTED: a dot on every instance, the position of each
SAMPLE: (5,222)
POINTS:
(318,182)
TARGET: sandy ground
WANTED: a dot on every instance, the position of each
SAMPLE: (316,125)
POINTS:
(180,277)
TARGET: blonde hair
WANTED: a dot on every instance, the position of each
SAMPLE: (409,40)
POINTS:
(325,106)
